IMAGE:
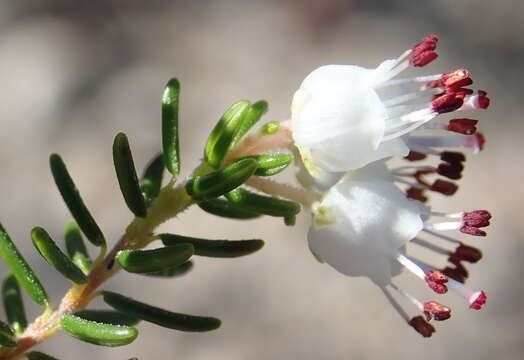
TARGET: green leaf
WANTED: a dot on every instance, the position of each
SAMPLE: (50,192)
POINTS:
(74,202)
(146,261)
(151,182)
(21,269)
(6,340)
(222,181)
(13,304)
(37,355)
(223,134)
(98,333)
(55,257)
(159,316)
(126,174)
(215,248)
(76,249)
(6,329)
(263,204)
(270,164)
(170,141)
(112,317)
(224,208)
(173,271)
(252,116)
(271,127)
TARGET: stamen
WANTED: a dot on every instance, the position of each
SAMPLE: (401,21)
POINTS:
(478,101)
(452,157)
(422,326)
(447,103)
(451,170)
(434,278)
(463,126)
(444,187)
(475,298)
(415,156)
(424,52)
(436,310)
(457,78)
(416,194)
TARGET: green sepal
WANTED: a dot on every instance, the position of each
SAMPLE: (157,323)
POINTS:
(6,329)
(55,257)
(37,355)
(151,181)
(223,134)
(271,127)
(214,248)
(227,209)
(75,247)
(74,202)
(221,181)
(147,261)
(159,316)
(13,304)
(263,204)
(113,317)
(175,271)
(252,116)
(21,269)
(270,164)
(170,140)
(6,340)
(98,333)
(126,174)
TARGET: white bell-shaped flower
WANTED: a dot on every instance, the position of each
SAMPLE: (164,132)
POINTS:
(362,224)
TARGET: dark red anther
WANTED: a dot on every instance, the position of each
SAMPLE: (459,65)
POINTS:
(471,230)
(463,126)
(451,170)
(415,156)
(465,253)
(447,103)
(422,326)
(424,52)
(416,194)
(477,214)
(478,300)
(436,280)
(444,187)
(482,99)
(452,157)
(439,312)
(456,79)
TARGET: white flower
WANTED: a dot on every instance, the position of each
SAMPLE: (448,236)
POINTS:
(363,223)
(346,116)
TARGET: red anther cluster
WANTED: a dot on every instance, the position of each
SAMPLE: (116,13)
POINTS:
(448,102)
(465,253)
(444,187)
(454,79)
(458,273)
(415,156)
(424,52)
(463,126)
(477,216)
(451,170)
(416,194)
(439,312)
(452,157)
(478,301)
(422,326)
(436,280)
(482,99)
(472,221)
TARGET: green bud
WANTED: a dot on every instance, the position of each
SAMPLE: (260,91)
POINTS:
(147,261)
(98,333)
(126,174)
(223,135)
(170,141)
(221,181)
(159,316)
(271,127)
(74,202)
(21,269)
(263,204)
(270,164)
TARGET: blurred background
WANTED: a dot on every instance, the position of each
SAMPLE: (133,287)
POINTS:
(74,73)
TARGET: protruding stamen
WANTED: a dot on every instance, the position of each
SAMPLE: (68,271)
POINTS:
(452,157)
(478,101)
(444,187)
(421,326)
(437,311)
(477,216)
(447,103)
(471,230)
(463,126)
(475,298)
(416,194)
(451,170)
(415,156)
(424,52)
(436,280)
